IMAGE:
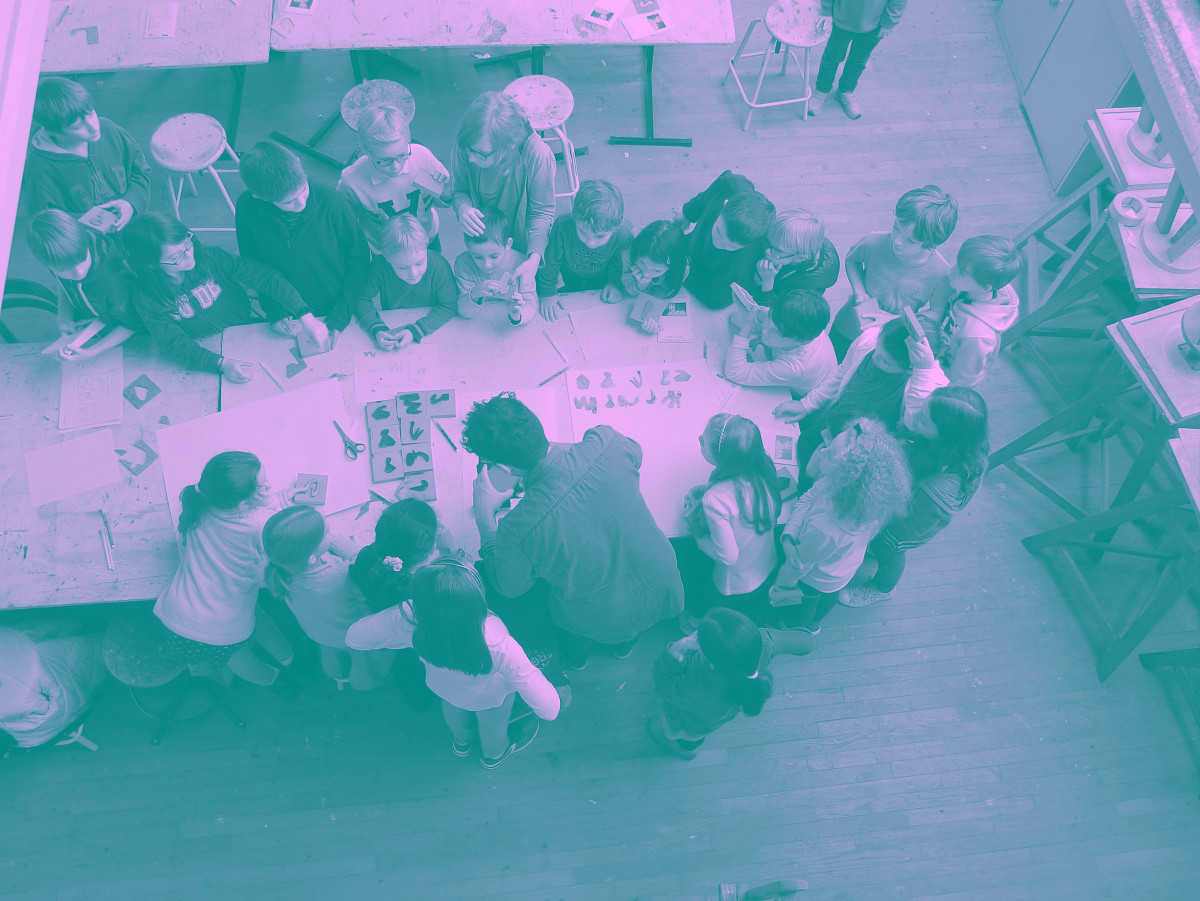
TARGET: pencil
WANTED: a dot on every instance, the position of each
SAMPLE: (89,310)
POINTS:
(62,15)
(444,435)
(544,382)
(555,346)
(108,554)
(104,519)
(271,376)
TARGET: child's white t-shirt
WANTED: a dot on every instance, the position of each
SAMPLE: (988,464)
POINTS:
(326,603)
(744,558)
(376,197)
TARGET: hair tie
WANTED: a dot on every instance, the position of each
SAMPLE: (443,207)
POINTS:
(395,563)
(753,675)
(721,437)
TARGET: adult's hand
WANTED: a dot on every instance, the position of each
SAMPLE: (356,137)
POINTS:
(486,501)
(471,220)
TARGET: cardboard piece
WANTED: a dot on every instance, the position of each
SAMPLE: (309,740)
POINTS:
(386,467)
(384,438)
(441,404)
(309,489)
(417,457)
(420,485)
(415,429)
(381,414)
(148,457)
(72,467)
(141,391)
(307,347)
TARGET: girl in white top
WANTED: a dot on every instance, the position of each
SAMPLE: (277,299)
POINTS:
(471,662)
(734,521)
(209,607)
(310,572)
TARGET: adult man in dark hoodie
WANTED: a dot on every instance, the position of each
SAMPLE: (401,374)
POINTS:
(305,231)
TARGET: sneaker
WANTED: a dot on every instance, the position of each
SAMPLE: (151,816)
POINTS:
(811,628)
(529,731)
(655,730)
(862,596)
(816,101)
(621,651)
(850,104)
(572,662)
(461,750)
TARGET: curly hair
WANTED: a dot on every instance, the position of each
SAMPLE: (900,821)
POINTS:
(870,482)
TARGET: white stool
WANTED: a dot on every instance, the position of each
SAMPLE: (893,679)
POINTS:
(187,144)
(548,104)
(376,92)
(789,23)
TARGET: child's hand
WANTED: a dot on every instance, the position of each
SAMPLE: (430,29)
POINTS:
(884,32)
(766,272)
(790,411)
(825,23)
(70,354)
(611,294)
(343,547)
(317,330)
(920,354)
(237,371)
(123,210)
(550,307)
(385,340)
(286,326)
(652,324)
(471,220)
(680,221)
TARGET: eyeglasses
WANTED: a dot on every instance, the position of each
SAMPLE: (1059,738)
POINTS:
(482,157)
(183,252)
(390,160)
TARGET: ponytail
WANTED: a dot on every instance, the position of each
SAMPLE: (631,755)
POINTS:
(228,480)
(732,643)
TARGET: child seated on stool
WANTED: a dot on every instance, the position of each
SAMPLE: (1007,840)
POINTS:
(732,220)
(653,266)
(585,246)
(406,275)
(487,271)
(80,163)
(795,350)
(797,257)
(891,271)
(971,308)
(306,231)
(309,572)
(94,282)
(184,291)
(393,176)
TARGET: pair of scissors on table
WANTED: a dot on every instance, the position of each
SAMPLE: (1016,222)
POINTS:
(353,448)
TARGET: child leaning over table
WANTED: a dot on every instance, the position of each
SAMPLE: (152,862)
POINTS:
(891,271)
(971,308)
(797,257)
(80,163)
(393,176)
(585,246)
(488,270)
(794,348)
(406,274)
(94,282)
(653,266)
(310,572)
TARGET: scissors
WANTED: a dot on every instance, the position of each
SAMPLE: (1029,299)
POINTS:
(353,448)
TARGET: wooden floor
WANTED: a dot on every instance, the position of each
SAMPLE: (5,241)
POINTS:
(952,744)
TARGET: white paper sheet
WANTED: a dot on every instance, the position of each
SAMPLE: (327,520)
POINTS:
(605,330)
(75,466)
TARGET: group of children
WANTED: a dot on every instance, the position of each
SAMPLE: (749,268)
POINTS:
(893,438)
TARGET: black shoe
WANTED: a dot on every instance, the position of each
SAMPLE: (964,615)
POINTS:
(528,732)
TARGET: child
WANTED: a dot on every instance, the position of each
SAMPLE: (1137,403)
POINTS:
(972,306)
(94,283)
(80,163)
(585,246)
(796,349)
(861,480)
(732,220)
(314,580)
(733,520)
(471,662)
(706,679)
(498,160)
(209,607)
(406,275)
(797,257)
(891,271)
(393,176)
(947,451)
(184,291)
(655,265)
(490,270)
(858,25)
(305,231)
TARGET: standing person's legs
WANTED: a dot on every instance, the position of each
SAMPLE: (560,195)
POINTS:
(777,642)
(493,728)
(835,52)
(574,649)
(527,618)
(461,723)
(891,564)
(271,639)
(369,669)
(861,46)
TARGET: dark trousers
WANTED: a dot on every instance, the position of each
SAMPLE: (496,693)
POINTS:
(860,46)
(810,612)
(577,649)
(528,620)
(891,563)
(700,594)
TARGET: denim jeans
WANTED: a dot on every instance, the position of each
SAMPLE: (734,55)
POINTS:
(860,47)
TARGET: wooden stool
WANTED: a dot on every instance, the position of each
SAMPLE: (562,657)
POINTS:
(789,24)
(187,144)
(375,92)
(548,103)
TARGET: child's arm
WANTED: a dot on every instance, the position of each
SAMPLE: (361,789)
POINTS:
(927,376)
(117,334)
(175,342)
(444,291)
(367,306)
(65,312)
(469,217)
(528,680)
(723,187)
(614,289)
(278,297)
(386,629)
(856,271)
(137,178)
(508,570)
(720,543)
(248,244)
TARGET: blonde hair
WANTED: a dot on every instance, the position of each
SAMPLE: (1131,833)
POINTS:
(797,232)
(404,232)
(58,240)
(381,124)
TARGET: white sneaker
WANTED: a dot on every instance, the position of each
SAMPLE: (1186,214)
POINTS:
(816,102)
(850,104)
